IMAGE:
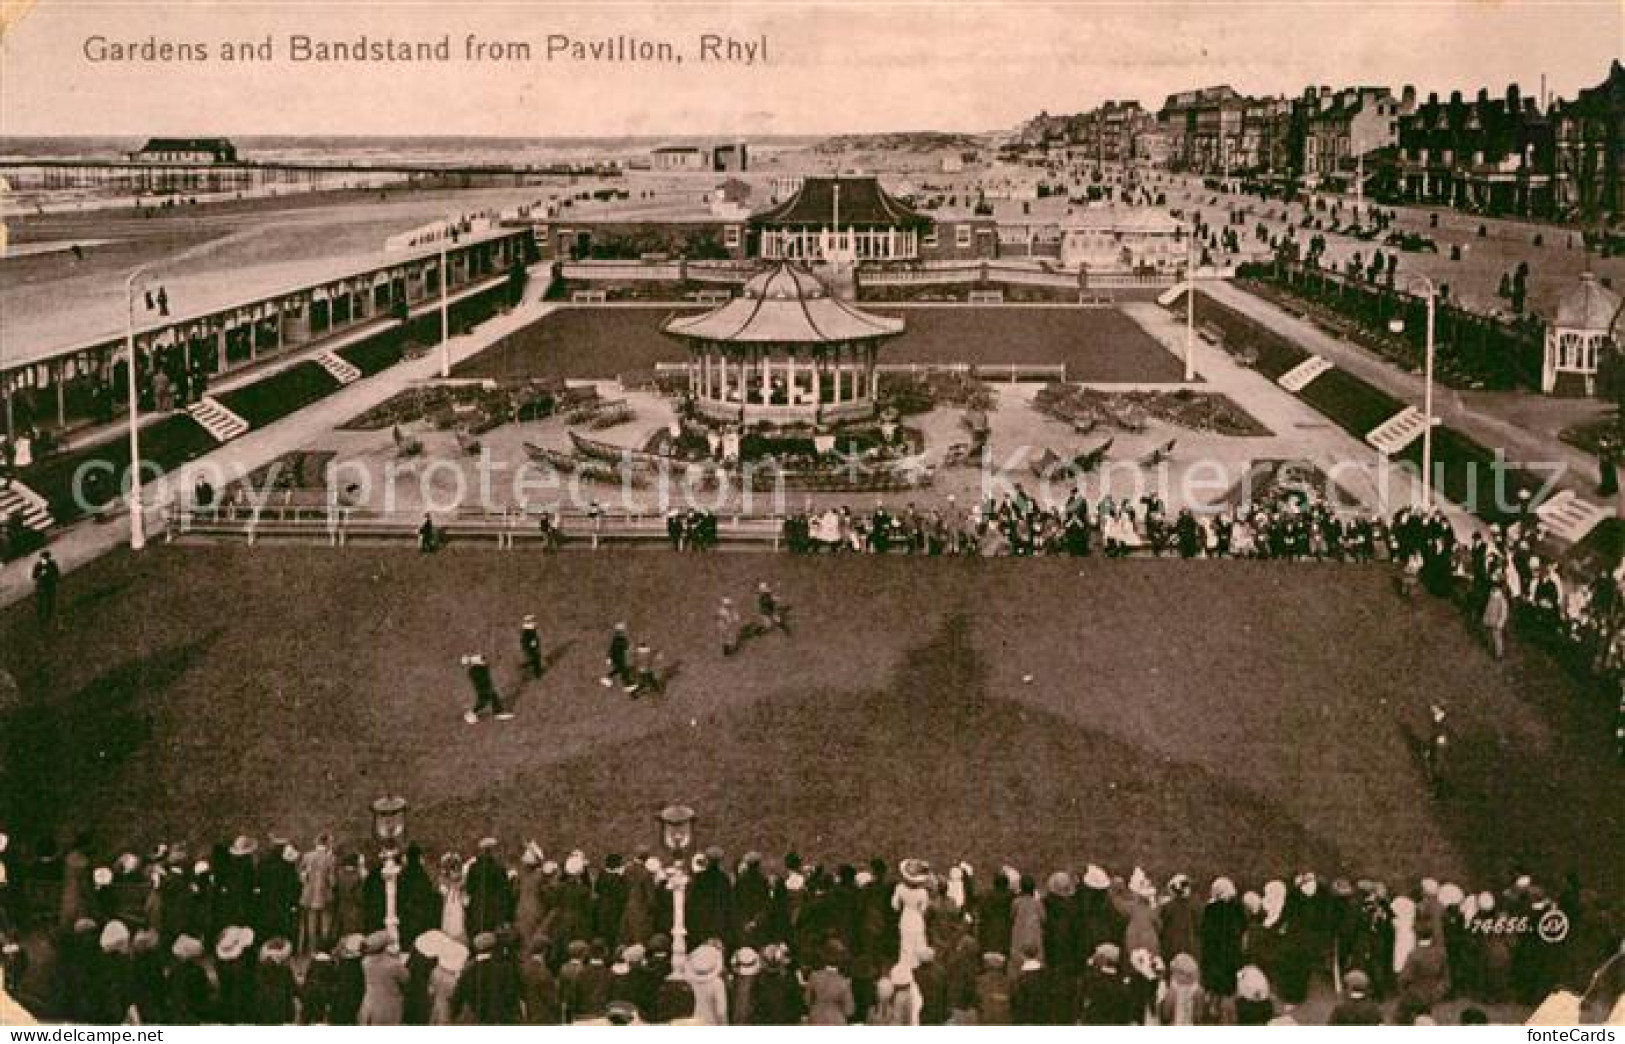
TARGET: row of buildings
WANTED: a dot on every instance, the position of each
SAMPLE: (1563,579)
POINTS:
(1497,153)
(857,221)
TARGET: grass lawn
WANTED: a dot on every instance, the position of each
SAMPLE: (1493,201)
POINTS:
(1096,344)
(290,686)
(166,443)
(280,394)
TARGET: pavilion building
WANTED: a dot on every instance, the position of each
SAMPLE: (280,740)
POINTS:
(787,351)
(836,220)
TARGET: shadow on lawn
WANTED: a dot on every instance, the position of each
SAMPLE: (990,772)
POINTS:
(934,764)
(57,745)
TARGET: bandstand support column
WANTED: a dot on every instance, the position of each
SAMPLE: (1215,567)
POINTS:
(790,390)
(767,376)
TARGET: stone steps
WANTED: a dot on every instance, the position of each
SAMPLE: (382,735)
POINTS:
(1299,377)
(218,421)
(18,499)
(1172,294)
(1398,431)
(1569,517)
(343,372)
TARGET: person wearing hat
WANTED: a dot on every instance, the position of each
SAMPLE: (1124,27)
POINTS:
(617,660)
(188,989)
(490,892)
(485,691)
(1223,928)
(538,986)
(729,628)
(278,891)
(829,991)
(383,1001)
(485,993)
(674,1000)
(349,980)
(234,968)
(530,646)
(709,908)
(771,615)
(710,992)
(910,899)
(1185,1003)
(274,985)
(47,577)
(1252,1005)
(776,996)
(450,957)
(112,975)
(992,988)
(1356,1008)
(591,991)
(747,967)
(1105,994)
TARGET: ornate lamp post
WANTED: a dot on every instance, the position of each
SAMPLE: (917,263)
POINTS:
(677,838)
(389,823)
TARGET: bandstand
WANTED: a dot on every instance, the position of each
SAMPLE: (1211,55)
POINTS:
(1589,323)
(786,352)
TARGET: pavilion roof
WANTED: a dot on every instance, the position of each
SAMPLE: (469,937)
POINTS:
(861,202)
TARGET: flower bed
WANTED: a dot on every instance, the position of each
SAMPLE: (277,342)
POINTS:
(476,407)
(915,393)
(1207,412)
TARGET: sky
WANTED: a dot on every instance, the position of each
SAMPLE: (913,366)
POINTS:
(830,67)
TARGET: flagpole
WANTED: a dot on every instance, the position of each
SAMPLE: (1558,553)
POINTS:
(138,522)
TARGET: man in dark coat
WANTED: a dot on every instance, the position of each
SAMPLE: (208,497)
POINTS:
(538,987)
(618,666)
(709,902)
(485,690)
(485,991)
(1106,997)
(46,574)
(530,646)
(1036,995)
(1223,925)
(932,982)
(750,898)
(490,898)
(609,900)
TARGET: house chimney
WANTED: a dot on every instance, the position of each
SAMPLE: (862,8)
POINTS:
(1407,97)
(1455,97)
(1483,95)
(1514,98)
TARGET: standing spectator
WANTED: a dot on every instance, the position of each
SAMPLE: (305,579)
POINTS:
(1356,1008)
(728,627)
(829,991)
(317,871)
(47,575)
(710,993)
(1496,614)
(384,999)
(485,991)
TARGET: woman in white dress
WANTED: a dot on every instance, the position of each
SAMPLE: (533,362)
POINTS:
(910,899)
(454,900)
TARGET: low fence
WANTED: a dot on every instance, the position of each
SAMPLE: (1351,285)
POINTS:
(339,526)
(658,271)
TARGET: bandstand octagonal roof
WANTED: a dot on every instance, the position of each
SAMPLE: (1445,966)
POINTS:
(784,305)
(1588,306)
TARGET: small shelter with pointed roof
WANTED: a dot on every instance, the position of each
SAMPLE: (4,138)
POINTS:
(787,351)
(1587,325)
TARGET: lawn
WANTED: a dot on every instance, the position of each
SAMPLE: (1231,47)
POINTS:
(280,394)
(1096,344)
(290,686)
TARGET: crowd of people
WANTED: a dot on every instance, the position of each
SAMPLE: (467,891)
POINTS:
(1282,526)
(262,932)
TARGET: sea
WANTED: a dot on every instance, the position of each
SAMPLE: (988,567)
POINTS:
(426,150)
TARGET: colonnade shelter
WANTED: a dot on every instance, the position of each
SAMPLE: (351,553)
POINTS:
(787,351)
(1590,322)
(835,220)
(63,387)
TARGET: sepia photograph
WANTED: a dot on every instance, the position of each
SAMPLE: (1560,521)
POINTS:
(811,513)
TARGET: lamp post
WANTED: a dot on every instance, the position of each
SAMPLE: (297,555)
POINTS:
(445,308)
(1397,326)
(138,522)
(1190,303)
